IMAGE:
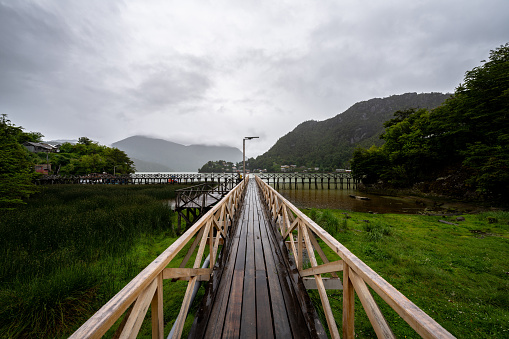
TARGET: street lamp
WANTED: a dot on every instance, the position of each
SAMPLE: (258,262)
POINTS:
(244,154)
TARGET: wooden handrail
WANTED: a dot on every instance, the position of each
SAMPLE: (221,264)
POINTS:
(356,274)
(146,288)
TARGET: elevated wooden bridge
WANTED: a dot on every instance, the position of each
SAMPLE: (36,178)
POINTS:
(338,180)
(257,285)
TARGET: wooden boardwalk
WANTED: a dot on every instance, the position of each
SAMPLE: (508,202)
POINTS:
(255,291)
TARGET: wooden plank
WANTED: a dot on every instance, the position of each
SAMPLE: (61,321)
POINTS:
(291,228)
(138,312)
(203,242)
(373,312)
(179,323)
(234,310)
(264,322)
(331,322)
(299,258)
(217,289)
(328,283)
(279,314)
(192,248)
(217,315)
(248,320)
(321,253)
(170,273)
(348,305)
(334,266)
(157,310)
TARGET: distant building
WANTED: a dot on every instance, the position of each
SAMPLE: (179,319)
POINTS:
(43,168)
(37,147)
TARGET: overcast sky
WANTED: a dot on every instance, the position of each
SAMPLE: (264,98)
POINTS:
(212,72)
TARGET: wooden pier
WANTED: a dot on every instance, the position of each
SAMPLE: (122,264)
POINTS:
(256,281)
(255,290)
(137,179)
(192,202)
(338,180)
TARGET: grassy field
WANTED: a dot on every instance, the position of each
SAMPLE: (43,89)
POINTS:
(458,274)
(71,248)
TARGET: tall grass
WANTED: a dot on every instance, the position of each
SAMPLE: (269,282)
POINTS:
(328,220)
(65,252)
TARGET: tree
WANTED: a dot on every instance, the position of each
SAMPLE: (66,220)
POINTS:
(369,165)
(466,137)
(89,157)
(16,170)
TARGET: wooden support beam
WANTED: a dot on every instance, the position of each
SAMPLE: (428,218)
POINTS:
(157,310)
(331,322)
(375,316)
(290,229)
(348,304)
(138,312)
(192,248)
(321,253)
(186,303)
(328,283)
(330,267)
(176,273)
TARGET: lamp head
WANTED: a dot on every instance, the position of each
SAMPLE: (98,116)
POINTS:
(249,138)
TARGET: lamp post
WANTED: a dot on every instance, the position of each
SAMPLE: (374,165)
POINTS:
(244,155)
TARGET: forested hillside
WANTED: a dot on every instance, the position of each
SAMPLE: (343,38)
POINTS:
(460,148)
(329,144)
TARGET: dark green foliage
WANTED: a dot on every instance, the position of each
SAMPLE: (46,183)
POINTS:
(376,230)
(220,166)
(330,144)
(64,253)
(328,221)
(465,141)
(16,169)
(89,157)
(369,165)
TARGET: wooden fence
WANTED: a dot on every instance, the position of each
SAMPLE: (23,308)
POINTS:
(146,289)
(300,230)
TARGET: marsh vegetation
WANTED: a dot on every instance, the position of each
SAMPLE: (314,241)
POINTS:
(71,248)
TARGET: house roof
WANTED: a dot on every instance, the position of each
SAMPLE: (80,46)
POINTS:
(40,145)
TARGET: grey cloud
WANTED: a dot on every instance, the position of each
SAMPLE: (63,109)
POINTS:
(98,68)
(168,85)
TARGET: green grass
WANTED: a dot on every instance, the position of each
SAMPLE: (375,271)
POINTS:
(457,274)
(73,247)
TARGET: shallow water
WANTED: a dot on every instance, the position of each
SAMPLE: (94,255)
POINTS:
(303,197)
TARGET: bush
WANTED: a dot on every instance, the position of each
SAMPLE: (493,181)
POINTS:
(377,230)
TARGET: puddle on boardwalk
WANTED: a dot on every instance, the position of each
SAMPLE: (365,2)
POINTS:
(341,199)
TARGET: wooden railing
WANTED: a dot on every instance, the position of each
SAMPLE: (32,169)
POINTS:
(300,231)
(146,289)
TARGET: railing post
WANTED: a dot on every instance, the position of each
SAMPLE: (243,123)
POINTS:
(348,304)
(157,310)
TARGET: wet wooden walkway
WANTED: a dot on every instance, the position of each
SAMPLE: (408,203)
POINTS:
(255,290)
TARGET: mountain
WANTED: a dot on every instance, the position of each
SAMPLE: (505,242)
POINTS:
(153,155)
(330,144)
